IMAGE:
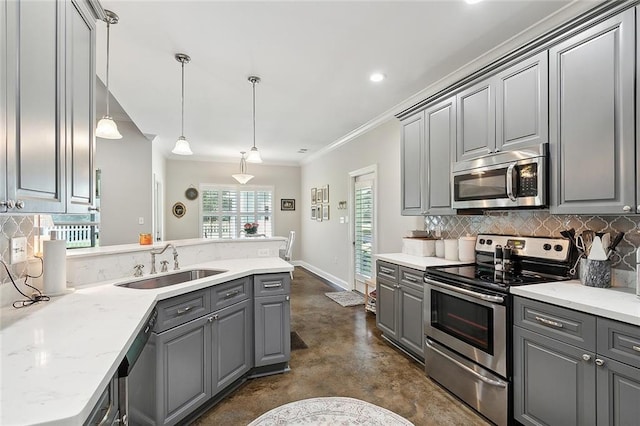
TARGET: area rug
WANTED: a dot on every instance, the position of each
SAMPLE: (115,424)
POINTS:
(330,411)
(346,298)
(297,342)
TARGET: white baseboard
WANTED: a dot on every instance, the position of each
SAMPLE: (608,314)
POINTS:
(327,276)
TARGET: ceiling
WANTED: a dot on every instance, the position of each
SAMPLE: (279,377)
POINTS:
(314,58)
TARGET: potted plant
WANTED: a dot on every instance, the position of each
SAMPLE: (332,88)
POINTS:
(250,228)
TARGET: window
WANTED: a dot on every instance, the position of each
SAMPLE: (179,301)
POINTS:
(225,210)
(363,228)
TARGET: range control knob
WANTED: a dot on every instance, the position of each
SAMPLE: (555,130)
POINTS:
(557,247)
(489,242)
(546,246)
(481,241)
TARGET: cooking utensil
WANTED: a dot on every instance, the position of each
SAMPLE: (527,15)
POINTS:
(570,234)
(597,250)
(615,243)
(587,237)
(606,240)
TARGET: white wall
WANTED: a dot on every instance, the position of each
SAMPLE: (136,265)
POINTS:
(158,174)
(126,186)
(326,245)
(180,174)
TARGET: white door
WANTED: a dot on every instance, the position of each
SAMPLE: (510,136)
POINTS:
(364,229)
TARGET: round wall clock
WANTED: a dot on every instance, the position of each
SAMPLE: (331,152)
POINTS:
(179,210)
(191,193)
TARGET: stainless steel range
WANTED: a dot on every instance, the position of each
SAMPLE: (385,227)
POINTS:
(468,316)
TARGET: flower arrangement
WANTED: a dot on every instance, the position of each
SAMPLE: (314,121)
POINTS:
(250,228)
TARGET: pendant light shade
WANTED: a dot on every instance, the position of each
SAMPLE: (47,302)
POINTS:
(242,177)
(254,155)
(182,145)
(107,128)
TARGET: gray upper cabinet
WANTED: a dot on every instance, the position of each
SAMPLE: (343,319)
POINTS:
(48,57)
(476,121)
(592,115)
(522,101)
(80,87)
(427,140)
(440,138)
(412,167)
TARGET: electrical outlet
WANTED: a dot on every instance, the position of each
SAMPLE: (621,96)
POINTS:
(263,252)
(18,250)
(141,221)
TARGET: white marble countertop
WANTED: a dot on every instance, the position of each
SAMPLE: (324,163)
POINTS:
(58,356)
(615,303)
(415,262)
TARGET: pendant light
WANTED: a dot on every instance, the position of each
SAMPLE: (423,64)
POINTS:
(242,177)
(107,128)
(182,145)
(254,155)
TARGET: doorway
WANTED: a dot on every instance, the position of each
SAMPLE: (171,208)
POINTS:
(363,225)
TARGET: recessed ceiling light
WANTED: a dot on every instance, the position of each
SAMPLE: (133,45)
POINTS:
(377,77)
(302,150)
(473,1)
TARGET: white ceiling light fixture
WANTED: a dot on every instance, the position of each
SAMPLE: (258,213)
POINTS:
(377,77)
(254,155)
(242,177)
(182,145)
(107,128)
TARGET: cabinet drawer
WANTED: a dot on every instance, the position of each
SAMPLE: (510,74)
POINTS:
(180,309)
(387,270)
(270,284)
(412,278)
(226,294)
(569,326)
(619,341)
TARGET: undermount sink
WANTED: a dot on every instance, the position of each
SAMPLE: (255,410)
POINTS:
(171,279)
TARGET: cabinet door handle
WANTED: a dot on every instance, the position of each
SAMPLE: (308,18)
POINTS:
(184,310)
(386,270)
(599,362)
(411,278)
(636,348)
(231,294)
(272,284)
(549,322)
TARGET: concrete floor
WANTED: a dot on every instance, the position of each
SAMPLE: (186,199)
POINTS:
(346,357)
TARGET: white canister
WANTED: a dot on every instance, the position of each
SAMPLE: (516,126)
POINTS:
(451,249)
(439,248)
(467,248)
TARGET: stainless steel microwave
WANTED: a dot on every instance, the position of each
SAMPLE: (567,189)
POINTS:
(507,179)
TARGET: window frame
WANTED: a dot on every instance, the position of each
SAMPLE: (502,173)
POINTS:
(238,214)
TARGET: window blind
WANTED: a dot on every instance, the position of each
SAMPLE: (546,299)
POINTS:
(363,238)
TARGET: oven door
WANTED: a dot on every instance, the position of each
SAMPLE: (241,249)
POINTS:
(471,323)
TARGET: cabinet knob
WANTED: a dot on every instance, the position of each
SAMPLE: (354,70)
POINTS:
(94,209)
(626,209)
(599,362)
(638,209)
(19,204)
(287,298)
(586,357)
(497,150)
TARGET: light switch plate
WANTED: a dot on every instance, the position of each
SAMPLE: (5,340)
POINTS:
(263,252)
(18,250)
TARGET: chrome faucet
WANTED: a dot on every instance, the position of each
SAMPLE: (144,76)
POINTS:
(160,251)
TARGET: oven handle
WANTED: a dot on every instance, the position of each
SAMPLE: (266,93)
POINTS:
(485,297)
(487,380)
(510,176)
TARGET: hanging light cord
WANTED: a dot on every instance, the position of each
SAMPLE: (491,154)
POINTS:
(182,127)
(254,113)
(108,29)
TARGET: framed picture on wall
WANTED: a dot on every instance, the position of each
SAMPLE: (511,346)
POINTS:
(287,204)
(314,212)
(319,212)
(313,195)
(325,212)
(325,194)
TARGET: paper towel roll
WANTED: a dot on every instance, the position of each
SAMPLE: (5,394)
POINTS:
(54,257)
(451,249)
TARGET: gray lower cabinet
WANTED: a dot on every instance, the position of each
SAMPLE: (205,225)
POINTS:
(572,368)
(399,306)
(272,330)
(592,119)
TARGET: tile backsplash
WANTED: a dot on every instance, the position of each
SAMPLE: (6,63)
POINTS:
(15,226)
(541,223)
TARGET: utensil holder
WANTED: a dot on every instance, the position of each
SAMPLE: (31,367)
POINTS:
(595,273)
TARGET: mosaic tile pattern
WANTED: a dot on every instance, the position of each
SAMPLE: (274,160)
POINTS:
(542,224)
(14,226)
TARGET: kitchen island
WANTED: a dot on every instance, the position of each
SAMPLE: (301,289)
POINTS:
(58,356)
